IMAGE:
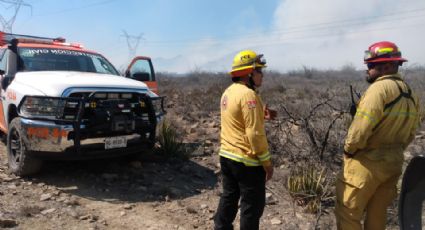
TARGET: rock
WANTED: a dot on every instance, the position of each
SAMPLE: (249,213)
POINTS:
(47,211)
(8,179)
(104,222)
(73,213)
(204,206)
(276,221)
(41,184)
(8,223)
(122,213)
(128,206)
(194,126)
(69,188)
(191,210)
(72,201)
(45,197)
(11,186)
(85,217)
(270,199)
(208,143)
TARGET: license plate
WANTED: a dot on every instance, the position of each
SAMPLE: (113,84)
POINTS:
(115,142)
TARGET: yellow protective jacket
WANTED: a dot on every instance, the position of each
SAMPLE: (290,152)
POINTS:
(383,122)
(243,137)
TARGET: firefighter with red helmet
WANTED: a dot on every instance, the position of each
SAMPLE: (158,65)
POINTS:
(385,122)
(244,157)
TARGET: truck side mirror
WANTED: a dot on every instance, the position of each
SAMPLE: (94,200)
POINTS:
(141,76)
(5,81)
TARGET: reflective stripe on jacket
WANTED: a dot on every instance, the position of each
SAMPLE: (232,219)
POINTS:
(243,137)
(379,126)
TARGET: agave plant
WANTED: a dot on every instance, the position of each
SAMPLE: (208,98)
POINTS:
(309,187)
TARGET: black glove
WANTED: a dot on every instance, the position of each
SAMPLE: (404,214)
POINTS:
(353,110)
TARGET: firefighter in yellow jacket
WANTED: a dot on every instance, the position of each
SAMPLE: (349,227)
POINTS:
(244,156)
(386,120)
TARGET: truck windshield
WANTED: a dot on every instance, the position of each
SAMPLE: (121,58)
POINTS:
(50,59)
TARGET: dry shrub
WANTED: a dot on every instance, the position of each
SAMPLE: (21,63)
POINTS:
(169,144)
(312,107)
(309,187)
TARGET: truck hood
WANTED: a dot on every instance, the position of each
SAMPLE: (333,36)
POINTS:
(53,83)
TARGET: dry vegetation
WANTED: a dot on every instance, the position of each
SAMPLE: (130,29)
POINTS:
(307,137)
(177,186)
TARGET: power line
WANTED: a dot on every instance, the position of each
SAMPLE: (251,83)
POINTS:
(332,34)
(77,8)
(132,43)
(270,42)
(314,27)
(7,24)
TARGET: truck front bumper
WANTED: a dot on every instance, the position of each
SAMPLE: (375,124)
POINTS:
(47,138)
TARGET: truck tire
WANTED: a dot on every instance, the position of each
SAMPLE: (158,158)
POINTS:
(20,163)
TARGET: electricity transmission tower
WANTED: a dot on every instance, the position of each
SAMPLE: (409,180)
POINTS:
(14,6)
(132,43)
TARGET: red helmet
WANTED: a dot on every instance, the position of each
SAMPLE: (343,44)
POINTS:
(383,52)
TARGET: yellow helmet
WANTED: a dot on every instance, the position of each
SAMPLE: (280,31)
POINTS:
(245,62)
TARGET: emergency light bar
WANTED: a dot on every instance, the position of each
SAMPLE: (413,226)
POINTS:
(7,38)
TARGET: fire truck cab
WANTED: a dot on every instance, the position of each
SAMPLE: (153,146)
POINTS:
(58,99)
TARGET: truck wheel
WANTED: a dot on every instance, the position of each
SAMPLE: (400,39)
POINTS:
(20,163)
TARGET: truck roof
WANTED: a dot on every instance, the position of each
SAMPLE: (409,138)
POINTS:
(39,42)
(55,46)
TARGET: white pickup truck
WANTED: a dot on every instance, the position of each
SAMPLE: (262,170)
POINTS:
(58,99)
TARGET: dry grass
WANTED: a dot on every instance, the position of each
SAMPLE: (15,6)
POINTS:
(313,118)
(169,143)
(310,187)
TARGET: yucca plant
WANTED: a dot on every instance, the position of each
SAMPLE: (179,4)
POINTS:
(168,141)
(309,187)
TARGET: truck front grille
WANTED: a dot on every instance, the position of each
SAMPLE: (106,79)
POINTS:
(104,112)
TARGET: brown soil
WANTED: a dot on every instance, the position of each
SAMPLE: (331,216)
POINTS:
(145,192)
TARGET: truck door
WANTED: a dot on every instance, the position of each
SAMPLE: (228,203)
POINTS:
(3,125)
(3,60)
(141,69)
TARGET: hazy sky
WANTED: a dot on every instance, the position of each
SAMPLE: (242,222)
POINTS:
(193,35)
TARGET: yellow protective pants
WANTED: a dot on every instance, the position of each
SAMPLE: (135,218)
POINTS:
(367,184)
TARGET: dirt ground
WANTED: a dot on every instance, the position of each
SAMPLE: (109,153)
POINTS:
(145,192)
(150,191)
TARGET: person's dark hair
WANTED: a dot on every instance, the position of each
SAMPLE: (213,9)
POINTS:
(236,79)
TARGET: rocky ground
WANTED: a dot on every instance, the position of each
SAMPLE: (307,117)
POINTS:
(144,192)
(152,191)
(147,192)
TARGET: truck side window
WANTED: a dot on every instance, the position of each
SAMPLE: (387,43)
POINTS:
(3,59)
(141,66)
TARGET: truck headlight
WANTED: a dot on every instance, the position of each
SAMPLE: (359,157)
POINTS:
(158,106)
(38,106)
